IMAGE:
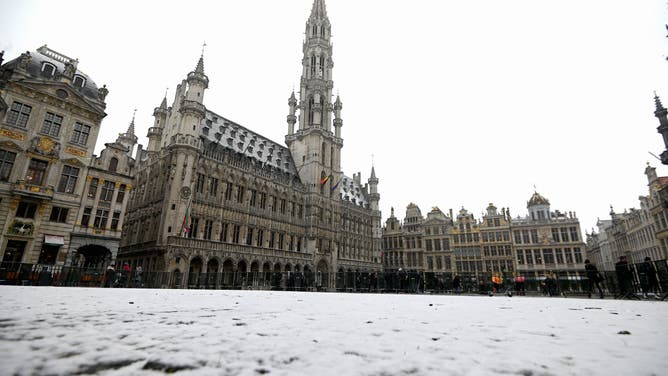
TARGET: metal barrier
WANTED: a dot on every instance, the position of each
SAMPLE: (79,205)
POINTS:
(631,282)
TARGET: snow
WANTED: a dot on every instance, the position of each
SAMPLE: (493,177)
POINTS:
(58,331)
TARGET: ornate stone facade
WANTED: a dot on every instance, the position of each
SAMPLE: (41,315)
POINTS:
(215,197)
(50,115)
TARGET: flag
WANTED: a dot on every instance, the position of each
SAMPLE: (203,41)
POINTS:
(185,227)
(324,180)
(335,185)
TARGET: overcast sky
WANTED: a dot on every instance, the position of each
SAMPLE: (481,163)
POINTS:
(462,103)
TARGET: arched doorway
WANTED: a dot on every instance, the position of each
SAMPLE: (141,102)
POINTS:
(212,274)
(255,274)
(176,279)
(322,276)
(194,272)
(276,277)
(309,278)
(92,256)
(241,279)
(228,273)
(266,274)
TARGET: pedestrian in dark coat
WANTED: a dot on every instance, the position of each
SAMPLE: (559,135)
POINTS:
(594,278)
(624,276)
(109,276)
(647,274)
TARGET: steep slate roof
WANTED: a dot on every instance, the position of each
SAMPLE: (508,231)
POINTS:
(229,135)
(232,136)
(34,68)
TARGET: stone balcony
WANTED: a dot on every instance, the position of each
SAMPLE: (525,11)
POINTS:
(24,188)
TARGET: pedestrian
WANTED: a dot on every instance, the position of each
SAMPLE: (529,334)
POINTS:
(138,276)
(594,278)
(109,275)
(519,284)
(647,274)
(497,282)
(624,277)
(125,274)
(457,284)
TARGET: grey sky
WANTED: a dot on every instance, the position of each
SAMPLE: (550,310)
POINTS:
(462,103)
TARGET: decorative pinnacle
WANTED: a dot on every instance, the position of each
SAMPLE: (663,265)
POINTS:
(657,102)
(131,128)
(318,9)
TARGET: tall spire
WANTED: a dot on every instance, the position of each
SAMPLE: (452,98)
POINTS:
(319,10)
(131,127)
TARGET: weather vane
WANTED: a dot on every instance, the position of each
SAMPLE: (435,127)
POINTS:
(203,45)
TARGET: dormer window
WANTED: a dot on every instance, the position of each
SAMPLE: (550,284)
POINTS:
(48,70)
(113,164)
(79,81)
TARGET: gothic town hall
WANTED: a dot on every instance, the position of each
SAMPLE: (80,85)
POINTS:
(215,201)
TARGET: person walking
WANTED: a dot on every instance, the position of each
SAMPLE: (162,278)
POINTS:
(647,274)
(624,278)
(457,284)
(594,278)
(138,276)
(109,276)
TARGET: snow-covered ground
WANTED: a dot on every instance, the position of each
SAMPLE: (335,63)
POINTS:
(60,331)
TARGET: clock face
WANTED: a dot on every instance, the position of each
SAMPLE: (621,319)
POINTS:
(185,192)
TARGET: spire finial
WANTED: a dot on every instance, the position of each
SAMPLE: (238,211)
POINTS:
(131,127)
(200,63)
(372,160)
(657,102)
(534,189)
(203,45)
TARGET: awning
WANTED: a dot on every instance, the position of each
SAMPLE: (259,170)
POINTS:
(54,240)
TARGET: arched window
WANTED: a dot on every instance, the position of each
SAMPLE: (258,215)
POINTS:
(48,70)
(322,30)
(311,104)
(315,30)
(113,164)
(79,81)
(322,66)
(313,65)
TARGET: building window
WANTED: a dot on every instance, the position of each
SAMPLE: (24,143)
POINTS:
(271,239)
(283,206)
(273,203)
(240,194)
(534,236)
(26,209)
(249,236)
(263,200)
(578,255)
(228,191)
(6,164)
(48,70)
(194,227)
(115,219)
(85,219)
(537,257)
(107,191)
(439,263)
(80,134)
(18,115)
(101,217)
(208,229)
(92,188)
(36,171)
(52,124)
(253,197)
(235,234)
(555,235)
(68,179)
(547,255)
(199,188)
(213,187)
(79,81)
(281,238)
(260,238)
(223,232)
(121,193)
(113,164)
(564,234)
(574,234)
(58,214)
